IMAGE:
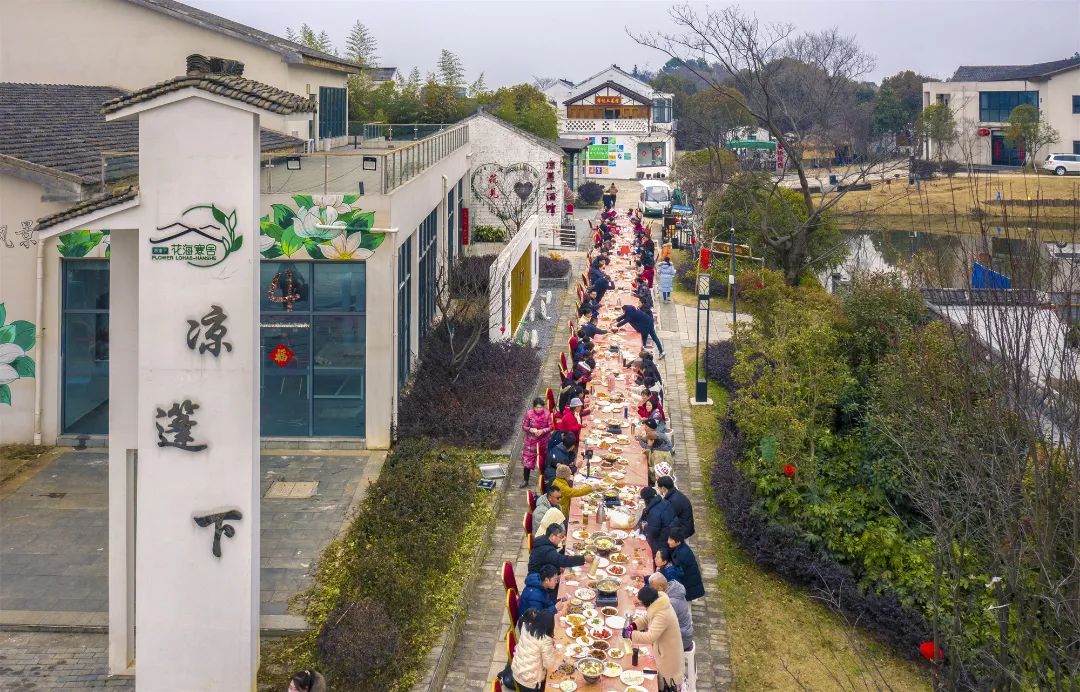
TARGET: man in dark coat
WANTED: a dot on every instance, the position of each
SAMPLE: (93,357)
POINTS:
(683,558)
(540,590)
(546,551)
(679,502)
(643,324)
(563,453)
(657,519)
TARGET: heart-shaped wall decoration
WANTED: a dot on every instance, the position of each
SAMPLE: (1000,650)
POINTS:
(523,190)
(511,192)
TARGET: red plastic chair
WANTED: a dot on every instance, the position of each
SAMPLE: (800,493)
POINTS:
(513,602)
(570,325)
(532,500)
(580,294)
(496,685)
(511,645)
(509,580)
(562,363)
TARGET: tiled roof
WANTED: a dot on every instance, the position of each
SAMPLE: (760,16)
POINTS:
(610,85)
(230,86)
(90,205)
(60,127)
(1002,73)
(380,74)
(291,51)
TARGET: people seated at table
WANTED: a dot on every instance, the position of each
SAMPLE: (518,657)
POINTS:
(570,418)
(573,388)
(658,629)
(657,518)
(591,304)
(648,366)
(535,656)
(541,590)
(659,446)
(644,410)
(582,348)
(684,511)
(655,388)
(676,593)
(563,452)
(537,426)
(654,412)
(546,501)
(647,275)
(553,515)
(589,326)
(683,558)
(546,551)
(642,323)
(564,481)
(643,294)
(663,564)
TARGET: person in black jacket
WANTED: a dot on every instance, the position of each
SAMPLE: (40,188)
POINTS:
(680,503)
(657,519)
(643,324)
(565,452)
(546,551)
(683,558)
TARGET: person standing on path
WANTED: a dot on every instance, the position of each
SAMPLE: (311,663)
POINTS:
(665,273)
(659,629)
(683,558)
(537,427)
(684,511)
(610,196)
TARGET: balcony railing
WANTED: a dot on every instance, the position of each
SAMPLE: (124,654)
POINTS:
(399,132)
(363,170)
(638,126)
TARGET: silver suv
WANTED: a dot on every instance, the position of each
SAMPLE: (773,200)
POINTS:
(1061,164)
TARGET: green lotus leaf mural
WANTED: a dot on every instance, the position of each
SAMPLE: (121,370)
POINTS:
(328,227)
(16,339)
(84,244)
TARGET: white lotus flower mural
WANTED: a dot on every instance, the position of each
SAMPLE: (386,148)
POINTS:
(15,340)
(330,227)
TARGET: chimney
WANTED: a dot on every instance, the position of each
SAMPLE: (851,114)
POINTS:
(201,64)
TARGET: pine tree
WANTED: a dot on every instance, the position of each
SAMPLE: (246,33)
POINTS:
(291,35)
(308,37)
(478,87)
(451,71)
(360,45)
(325,44)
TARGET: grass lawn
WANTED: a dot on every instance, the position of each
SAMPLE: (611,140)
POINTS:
(774,627)
(14,459)
(945,204)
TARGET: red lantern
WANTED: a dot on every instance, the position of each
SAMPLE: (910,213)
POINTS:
(931,651)
(983,131)
(569,208)
(789,470)
(705,258)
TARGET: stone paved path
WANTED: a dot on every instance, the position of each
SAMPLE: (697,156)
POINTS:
(481,649)
(51,661)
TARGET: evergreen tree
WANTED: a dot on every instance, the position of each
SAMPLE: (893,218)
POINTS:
(308,37)
(478,88)
(360,45)
(325,44)
(451,71)
(291,35)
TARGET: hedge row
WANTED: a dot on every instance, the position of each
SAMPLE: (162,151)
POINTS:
(553,267)
(385,590)
(481,408)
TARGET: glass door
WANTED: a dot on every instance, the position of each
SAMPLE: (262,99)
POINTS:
(84,397)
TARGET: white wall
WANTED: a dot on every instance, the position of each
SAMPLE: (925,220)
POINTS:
(493,143)
(500,274)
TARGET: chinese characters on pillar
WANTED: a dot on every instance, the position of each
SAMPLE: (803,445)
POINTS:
(218,519)
(550,192)
(213,339)
(177,432)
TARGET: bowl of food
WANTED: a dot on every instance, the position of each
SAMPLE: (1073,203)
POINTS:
(617,558)
(608,611)
(601,645)
(608,587)
(597,653)
(567,686)
(592,668)
(602,633)
(604,546)
(585,594)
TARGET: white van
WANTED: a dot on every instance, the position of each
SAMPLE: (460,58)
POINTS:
(656,197)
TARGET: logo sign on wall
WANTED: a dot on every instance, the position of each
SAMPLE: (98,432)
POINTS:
(608,100)
(203,236)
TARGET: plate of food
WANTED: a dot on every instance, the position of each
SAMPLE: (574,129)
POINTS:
(618,534)
(635,688)
(577,619)
(615,622)
(575,650)
(616,652)
(575,631)
(595,622)
(585,594)
(608,611)
(612,669)
(601,645)
(581,535)
(585,641)
(566,668)
(615,570)
(632,677)
(567,686)
(602,633)
(590,613)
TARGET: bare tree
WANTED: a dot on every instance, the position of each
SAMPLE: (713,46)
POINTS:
(799,87)
(464,308)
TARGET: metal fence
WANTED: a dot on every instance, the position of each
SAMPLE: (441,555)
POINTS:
(400,132)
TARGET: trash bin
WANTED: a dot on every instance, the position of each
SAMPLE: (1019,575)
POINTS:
(832,180)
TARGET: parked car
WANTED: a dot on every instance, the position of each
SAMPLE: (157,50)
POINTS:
(656,198)
(1061,164)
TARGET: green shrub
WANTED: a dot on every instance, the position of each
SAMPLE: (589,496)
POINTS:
(589,194)
(406,554)
(489,234)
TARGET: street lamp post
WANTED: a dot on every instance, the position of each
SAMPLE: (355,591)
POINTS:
(701,383)
(731,277)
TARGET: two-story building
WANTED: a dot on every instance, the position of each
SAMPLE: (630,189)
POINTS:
(981,98)
(630,126)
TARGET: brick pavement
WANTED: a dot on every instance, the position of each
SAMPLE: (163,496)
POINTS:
(481,649)
(52,661)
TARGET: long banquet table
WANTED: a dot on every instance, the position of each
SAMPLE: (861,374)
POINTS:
(612,388)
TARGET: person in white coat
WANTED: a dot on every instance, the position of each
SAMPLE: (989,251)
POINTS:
(535,655)
(665,277)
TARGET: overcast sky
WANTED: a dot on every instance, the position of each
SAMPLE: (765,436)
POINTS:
(511,41)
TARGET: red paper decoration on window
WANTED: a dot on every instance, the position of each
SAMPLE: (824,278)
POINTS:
(282,355)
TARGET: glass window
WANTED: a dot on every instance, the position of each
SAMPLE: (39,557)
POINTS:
(995,106)
(333,111)
(1076,146)
(1076,105)
(429,251)
(320,390)
(451,224)
(662,110)
(84,405)
(404,316)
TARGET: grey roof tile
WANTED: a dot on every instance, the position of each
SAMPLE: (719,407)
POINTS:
(90,205)
(230,86)
(1003,73)
(60,127)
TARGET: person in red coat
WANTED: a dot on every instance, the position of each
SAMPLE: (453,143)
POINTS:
(647,275)
(570,419)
